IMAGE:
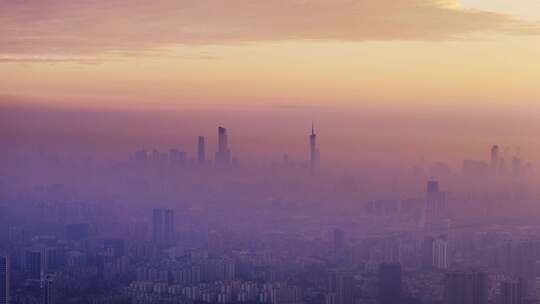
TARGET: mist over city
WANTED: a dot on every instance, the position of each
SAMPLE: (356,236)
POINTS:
(269,152)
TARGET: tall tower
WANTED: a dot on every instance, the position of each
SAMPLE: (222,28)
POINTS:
(494,158)
(201,154)
(168,228)
(313,150)
(223,155)
(4,280)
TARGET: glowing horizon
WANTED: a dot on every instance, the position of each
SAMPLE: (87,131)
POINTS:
(305,53)
(409,59)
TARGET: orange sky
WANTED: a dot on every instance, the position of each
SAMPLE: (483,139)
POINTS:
(124,52)
(339,54)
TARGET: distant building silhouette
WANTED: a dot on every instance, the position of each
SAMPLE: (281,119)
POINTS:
(163,226)
(435,201)
(223,155)
(517,165)
(314,157)
(4,280)
(201,153)
(141,155)
(494,158)
(285,159)
(513,292)
(169,226)
(36,263)
(339,241)
(466,287)
(48,290)
(177,157)
(341,288)
(435,252)
(389,283)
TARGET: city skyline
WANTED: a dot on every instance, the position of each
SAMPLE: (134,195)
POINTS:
(270,152)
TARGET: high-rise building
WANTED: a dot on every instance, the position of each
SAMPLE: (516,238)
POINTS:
(36,262)
(168,228)
(341,288)
(466,287)
(4,280)
(435,201)
(494,158)
(435,252)
(201,153)
(389,277)
(440,253)
(389,283)
(513,292)
(339,241)
(432,186)
(163,226)
(313,150)
(48,290)
(223,155)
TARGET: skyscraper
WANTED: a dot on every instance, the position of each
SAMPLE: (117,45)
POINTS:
(389,283)
(339,241)
(4,280)
(435,201)
(201,153)
(36,262)
(223,155)
(494,158)
(435,252)
(432,187)
(48,290)
(313,150)
(513,292)
(168,228)
(163,226)
(466,287)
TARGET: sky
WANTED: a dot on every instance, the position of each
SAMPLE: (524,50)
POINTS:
(411,58)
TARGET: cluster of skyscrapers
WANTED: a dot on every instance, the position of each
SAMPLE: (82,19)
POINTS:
(223,156)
